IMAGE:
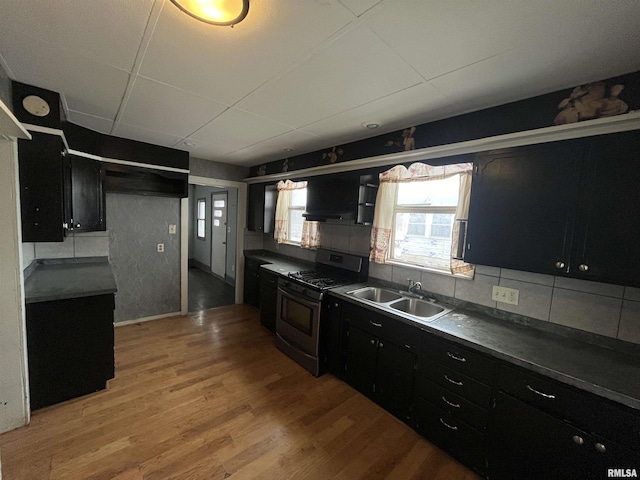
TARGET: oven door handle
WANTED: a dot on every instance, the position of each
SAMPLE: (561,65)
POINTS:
(297,298)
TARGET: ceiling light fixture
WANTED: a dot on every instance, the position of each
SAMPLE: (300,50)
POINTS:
(370,125)
(215,12)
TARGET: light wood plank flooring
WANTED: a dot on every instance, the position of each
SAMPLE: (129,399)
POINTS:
(208,396)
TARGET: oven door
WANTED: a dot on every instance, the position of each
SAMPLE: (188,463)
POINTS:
(297,320)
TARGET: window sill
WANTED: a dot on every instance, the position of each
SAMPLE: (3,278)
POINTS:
(436,271)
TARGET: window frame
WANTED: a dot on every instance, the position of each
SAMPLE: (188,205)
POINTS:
(203,219)
(289,217)
(424,209)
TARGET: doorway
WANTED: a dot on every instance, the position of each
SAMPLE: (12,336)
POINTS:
(212,246)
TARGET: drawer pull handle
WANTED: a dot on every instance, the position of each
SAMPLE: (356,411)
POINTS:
(375,324)
(451,404)
(451,427)
(601,448)
(460,359)
(453,381)
(545,395)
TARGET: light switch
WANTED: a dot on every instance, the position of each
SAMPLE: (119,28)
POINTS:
(505,295)
(172,229)
(161,248)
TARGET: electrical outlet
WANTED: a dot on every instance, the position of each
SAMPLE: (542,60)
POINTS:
(161,248)
(505,295)
(172,229)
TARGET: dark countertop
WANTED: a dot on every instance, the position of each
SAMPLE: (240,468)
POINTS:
(602,371)
(277,263)
(69,278)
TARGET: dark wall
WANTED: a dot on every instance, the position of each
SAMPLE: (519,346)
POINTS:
(5,88)
(617,95)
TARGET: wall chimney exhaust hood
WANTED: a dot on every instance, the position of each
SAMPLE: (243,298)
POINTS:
(332,197)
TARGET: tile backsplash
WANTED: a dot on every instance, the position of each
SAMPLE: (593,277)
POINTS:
(604,309)
(89,244)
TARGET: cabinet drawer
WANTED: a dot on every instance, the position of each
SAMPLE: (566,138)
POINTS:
(548,395)
(620,425)
(381,326)
(252,264)
(456,382)
(453,404)
(452,435)
(460,359)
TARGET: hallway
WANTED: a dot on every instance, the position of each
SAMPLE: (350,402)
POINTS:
(207,291)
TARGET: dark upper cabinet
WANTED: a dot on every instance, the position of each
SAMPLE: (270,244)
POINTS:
(87,195)
(58,191)
(261,208)
(608,233)
(42,188)
(563,208)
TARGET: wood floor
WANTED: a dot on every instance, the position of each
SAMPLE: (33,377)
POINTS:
(208,396)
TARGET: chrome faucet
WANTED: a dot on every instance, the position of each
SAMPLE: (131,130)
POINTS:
(414,288)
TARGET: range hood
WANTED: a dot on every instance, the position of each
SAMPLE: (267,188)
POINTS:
(332,197)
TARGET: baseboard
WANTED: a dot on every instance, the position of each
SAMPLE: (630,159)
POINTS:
(146,319)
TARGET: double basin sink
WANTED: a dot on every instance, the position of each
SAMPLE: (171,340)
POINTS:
(404,305)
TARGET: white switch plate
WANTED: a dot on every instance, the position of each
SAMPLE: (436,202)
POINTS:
(172,229)
(160,247)
(505,295)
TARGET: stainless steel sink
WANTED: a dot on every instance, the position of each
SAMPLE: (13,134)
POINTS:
(415,309)
(419,308)
(375,294)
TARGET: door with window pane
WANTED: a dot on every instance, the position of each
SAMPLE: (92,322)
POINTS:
(219,233)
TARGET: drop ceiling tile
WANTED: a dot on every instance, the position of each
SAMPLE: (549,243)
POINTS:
(140,134)
(204,150)
(88,86)
(274,148)
(238,129)
(225,64)
(99,124)
(353,70)
(358,7)
(162,108)
(108,31)
(415,105)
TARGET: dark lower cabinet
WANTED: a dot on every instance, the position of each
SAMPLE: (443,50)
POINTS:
(332,338)
(528,444)
(252,281)
(69,348)
(381,370)
(268,300)
(452,435)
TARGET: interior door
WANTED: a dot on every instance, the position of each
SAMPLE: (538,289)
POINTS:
(219,233)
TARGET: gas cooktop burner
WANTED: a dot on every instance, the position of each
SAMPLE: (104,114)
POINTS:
(319,279)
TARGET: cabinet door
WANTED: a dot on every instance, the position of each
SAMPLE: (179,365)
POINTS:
(255,208)
(609,231)
(251,286)
(394,378)
(87,195)
(332,337)
(529,444)
(268,301)
(360,367)
(522,210)
(41,188)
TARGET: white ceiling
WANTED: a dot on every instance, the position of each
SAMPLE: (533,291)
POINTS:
(305,74)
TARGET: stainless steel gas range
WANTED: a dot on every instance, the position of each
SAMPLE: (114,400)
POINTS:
(300,297)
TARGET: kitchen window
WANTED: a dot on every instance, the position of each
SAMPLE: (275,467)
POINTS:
(418,216)
(201,218)
(291,227)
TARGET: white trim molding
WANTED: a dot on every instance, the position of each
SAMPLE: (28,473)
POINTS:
(10,126)
(600,126)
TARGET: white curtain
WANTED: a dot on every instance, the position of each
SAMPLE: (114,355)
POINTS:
(386,201)
(310,230)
